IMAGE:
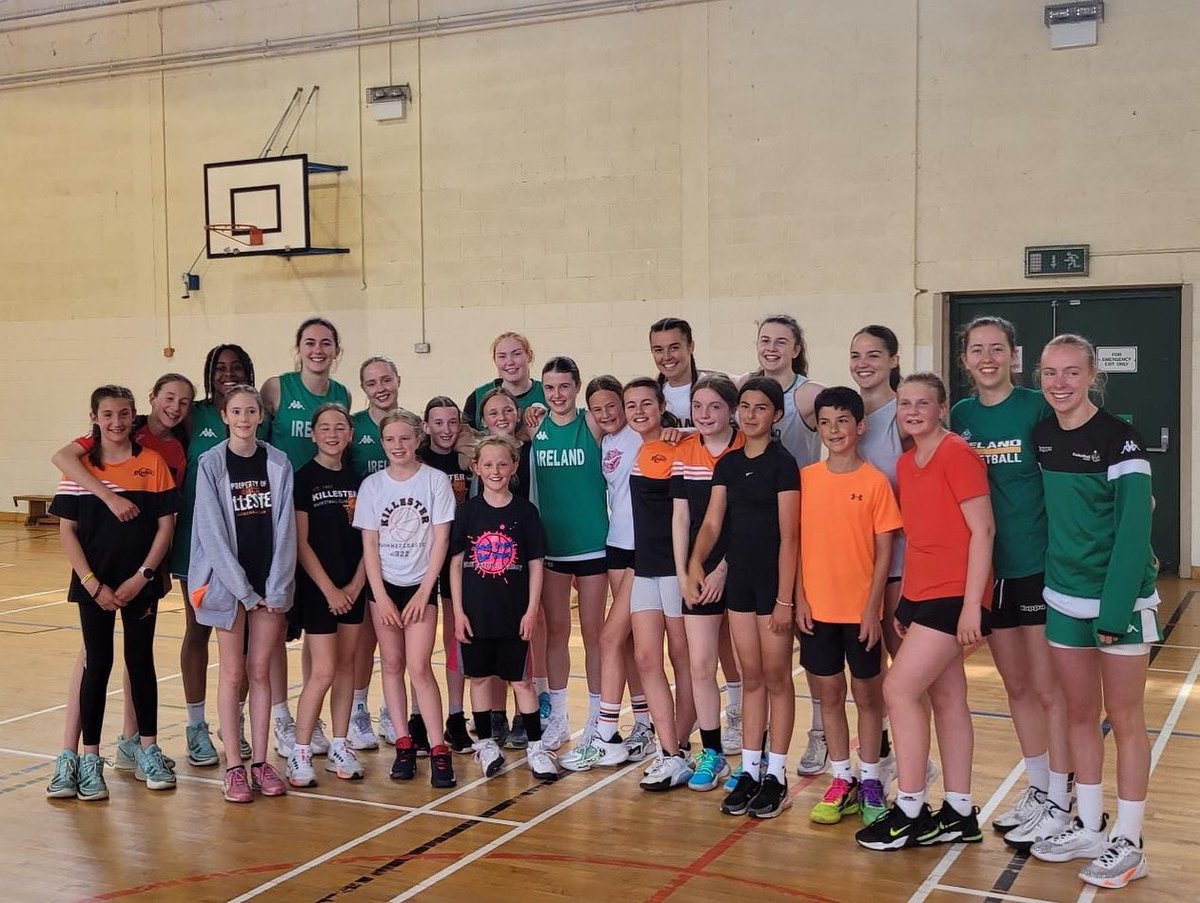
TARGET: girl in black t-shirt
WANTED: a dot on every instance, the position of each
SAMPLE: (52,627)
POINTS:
(330,595)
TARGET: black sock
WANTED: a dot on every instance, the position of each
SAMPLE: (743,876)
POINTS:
(885,746)
(457,718)
(711,739)
(533,725)
(254,765)
(483,725)
(235,768)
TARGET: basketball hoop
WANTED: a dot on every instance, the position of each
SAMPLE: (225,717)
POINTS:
(251,236)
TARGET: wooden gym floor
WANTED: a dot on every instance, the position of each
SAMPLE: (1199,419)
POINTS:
(588,836)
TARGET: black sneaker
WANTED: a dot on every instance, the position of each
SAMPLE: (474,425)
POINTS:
(517,737)
(405,766)
(894,830)
(771,798)
(441,771)
(457,737)
(419,734)
(737,802)
(950,827)
(500,729)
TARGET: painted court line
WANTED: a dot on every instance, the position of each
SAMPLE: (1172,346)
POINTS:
(44,592)
(17,611)
(990,894)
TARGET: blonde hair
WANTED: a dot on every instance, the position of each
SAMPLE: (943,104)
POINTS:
(495,440)
(1072,340)
(400,415)
(929,380)
(514,335)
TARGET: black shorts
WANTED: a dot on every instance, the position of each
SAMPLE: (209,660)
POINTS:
(442,588)
(314,616)
(502,658)
(751,592)
(402,595)
(1018,602)
(584,567)
(832,646)
(292,622)
(939,614)
(712,608)
(618,559)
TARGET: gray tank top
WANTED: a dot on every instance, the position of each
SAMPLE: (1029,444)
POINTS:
(880,446)
(794,434)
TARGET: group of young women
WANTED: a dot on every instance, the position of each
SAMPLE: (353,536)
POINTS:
(678,496)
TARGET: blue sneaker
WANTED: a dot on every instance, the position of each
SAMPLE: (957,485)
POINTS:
(65,783)
(731,781)
(152,768)
(544,706)
(92,785)
(710,769)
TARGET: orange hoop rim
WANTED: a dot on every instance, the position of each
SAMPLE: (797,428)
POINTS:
(251,236)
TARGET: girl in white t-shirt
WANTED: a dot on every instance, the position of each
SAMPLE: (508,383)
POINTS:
(405,512)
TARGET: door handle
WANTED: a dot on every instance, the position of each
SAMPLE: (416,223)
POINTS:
(1164,441)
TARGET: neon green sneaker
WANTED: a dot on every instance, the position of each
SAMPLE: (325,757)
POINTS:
(65,783)
(152,769)
(840,799)
(91,778)
(872,802)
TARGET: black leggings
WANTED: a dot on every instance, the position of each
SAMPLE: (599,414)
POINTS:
(137,621)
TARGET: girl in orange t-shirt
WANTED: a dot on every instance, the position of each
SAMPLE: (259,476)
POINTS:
(947,514)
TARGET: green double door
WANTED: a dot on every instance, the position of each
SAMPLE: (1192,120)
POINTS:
(1137,336)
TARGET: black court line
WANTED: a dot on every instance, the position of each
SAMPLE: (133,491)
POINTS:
(1012,870)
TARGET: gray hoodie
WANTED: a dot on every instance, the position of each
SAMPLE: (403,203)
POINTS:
(214,567)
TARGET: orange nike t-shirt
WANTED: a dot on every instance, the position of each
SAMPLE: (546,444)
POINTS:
(840,516)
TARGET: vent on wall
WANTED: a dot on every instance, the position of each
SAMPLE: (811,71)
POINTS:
(1073,24)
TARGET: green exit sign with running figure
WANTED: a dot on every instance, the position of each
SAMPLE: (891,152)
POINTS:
(1056,260)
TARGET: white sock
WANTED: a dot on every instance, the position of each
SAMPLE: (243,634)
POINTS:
(1090,799)
(817,723)
(281,712)
(910,803)
(593,707)
(887,724)
(541,685)
(1037,769)
(360,699)
(1060,790)
(558,702)
(841,769)
(751,762)
(959,802)
(733,694)
(1129,820)
(868,771)
(195,712)
(337,743)
(777,766)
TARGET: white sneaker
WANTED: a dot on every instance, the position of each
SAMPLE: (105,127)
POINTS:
(556,733)
(1027,804)
(541,762)
(299,770)
(816,755)
(285,736)
(489,757)
(319,742)
(641,743)
(667,772)
(1044,822)
(731,733)
(1121,863)
(1076,842)
(343,762)
(585,754)
(361,734)
(386,728)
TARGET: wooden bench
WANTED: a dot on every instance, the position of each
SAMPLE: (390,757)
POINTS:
(37,509)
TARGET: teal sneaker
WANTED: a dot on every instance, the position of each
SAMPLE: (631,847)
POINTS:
(731,781)
(152,769)
(65,783)
(127,748)
(91,778)
(710,769)
(200,749)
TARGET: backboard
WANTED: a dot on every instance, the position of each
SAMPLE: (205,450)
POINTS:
(270,194)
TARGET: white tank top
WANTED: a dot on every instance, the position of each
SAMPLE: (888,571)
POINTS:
(880,446)
(679,402)
(794,434)
(617,455)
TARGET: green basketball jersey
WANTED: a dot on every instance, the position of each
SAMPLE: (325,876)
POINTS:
(1002,434)
(291,430)
(569,487)
(366,448)
(473,412)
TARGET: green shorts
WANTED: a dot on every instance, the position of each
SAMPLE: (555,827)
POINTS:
(1080,633)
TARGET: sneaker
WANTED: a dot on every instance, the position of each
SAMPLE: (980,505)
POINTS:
(1046,821)
(441,771)
(236,787)
(91,785)
(285,736)
(709,770)
(948,826)
(489,757)
(544,707)
(1029,802)
(244,749)
(667,772)
(405,766)
(457,737)
(584,755)
(744,791)
(816,755)
(266,780)
(319,744)
(731,732)
(387,729)
(872,800)
(518,737)
(1076,842)
(556,732)
(361,735)
(65,782)
(499,729)
(344,763)
(126,757)
(541,762)
(419,734)
(771,799)
(731,781)
(299,769)
(1121,863)
(840,799)
(200,749)
(641,743)
(894,830)
(152,768)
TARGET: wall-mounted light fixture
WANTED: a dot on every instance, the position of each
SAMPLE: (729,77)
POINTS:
(1073,24)
(389,102)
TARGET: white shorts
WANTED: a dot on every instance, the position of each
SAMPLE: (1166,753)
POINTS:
(656,594)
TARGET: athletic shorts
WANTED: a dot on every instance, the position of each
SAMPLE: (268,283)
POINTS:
(616,559)
(578,567)
(502,658)
(751,592)
(656,594)
(313,615)
(939,614)
(832,646)
(1018,602)
(1066,632)
(442,589)
(402,595)
(710,609)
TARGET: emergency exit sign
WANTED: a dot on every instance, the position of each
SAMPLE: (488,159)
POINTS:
(1056,260)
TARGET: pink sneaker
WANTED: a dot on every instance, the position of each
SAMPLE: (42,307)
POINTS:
(237,789)
(267,780)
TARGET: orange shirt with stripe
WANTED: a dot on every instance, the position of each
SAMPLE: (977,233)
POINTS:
(650,498)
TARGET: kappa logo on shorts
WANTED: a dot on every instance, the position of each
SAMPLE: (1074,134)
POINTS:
(1130,446)
(207,433)
(295,405)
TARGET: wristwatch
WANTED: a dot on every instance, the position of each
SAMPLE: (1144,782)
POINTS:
(148,573)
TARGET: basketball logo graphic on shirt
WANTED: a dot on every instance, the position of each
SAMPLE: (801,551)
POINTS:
(493,552)
(403,520)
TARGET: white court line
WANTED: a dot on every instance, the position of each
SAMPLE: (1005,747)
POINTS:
(59,708)
(17,611)
(44,592)
(990,894)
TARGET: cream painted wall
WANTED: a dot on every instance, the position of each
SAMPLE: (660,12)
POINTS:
(844,160)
